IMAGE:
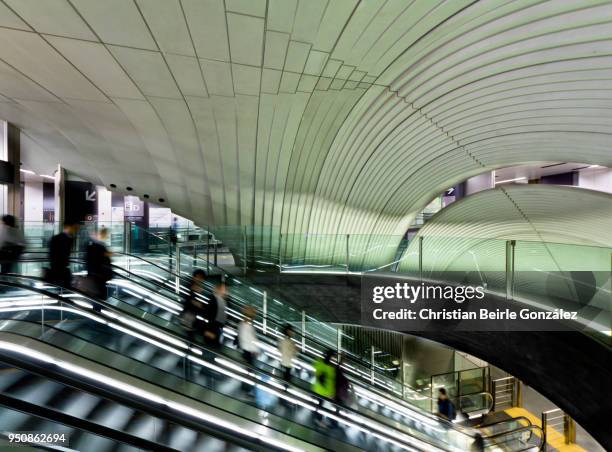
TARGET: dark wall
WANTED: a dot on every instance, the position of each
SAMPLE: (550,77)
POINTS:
(80,202)
(560,179)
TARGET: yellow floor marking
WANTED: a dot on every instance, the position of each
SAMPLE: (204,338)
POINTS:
(553,437)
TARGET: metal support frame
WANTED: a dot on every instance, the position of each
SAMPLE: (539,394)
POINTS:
(510,251)
(339,342)
(559,419)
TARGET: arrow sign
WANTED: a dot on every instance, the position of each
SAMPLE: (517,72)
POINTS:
(450,191)
(90,196)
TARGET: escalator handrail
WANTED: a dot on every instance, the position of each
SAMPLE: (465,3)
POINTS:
(41,363)
(260,382)
(238,300)
(407,405)
(52,415)
(530,428)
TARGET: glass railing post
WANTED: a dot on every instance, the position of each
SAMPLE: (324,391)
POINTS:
(280,260)
(178,269)
(42,314)
(244,250)
(372,356)
(303,331)
(207,250)
(347,252)
(127,236)
(265,312)
(421,258)
(510,248)
(339,343)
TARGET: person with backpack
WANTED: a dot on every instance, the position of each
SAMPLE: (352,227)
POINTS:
(325,381)
(12,244)
(446,408)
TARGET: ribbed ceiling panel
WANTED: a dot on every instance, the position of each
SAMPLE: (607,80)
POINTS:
(306,116)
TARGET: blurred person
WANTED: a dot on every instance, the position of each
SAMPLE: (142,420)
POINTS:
(247,337)
(60,247)
(479,443)
(343,387)
(98,264)
(288,351)
(12,244)
(446,408)
(173,232)
(325,381)
(247,342)
(193,313)
(215,316)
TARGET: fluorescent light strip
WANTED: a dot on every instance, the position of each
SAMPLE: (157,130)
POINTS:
(146,329)
(144,394)
(271,351)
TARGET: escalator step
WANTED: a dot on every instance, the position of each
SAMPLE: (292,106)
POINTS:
(75,403)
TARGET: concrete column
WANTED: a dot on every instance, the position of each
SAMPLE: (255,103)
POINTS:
(13,156)
(60,194)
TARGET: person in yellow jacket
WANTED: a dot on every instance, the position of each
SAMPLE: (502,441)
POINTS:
(325,380)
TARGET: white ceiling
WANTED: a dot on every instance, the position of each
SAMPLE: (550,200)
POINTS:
(323,116)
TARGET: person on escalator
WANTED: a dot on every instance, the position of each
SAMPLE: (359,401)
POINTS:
(215,316)
(247,337)
(325,381)
(99,270)
(446,408)
(60,247)
(193,313)
(288,351)
(12,244)
(344,394)
(247,342)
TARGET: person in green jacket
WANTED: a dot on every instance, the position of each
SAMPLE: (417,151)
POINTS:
(325,380)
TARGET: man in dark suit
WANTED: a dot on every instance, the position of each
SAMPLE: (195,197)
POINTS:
(60,247)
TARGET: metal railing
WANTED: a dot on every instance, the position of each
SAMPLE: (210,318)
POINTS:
(557,420)
(506,392)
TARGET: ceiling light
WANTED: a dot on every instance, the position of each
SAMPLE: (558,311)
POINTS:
(509,180)
(47,176)
(27,171)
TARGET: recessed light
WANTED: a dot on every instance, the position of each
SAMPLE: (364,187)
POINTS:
(145,196)
(129,188)
(113,186)
(161,200)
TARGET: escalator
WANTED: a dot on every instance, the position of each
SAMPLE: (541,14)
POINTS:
(153,353)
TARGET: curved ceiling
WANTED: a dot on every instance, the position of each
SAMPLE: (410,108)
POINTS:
(557,228)
(318,116)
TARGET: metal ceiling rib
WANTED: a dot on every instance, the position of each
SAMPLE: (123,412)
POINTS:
(306,116)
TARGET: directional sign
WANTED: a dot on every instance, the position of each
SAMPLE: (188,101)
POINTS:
(90,196)
(450,192)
